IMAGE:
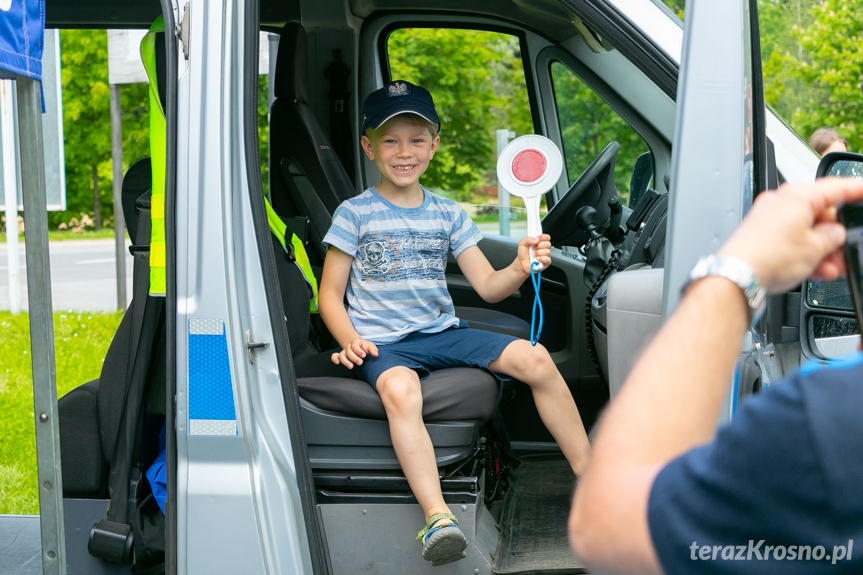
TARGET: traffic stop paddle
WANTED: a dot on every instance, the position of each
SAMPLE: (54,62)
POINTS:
(528,167)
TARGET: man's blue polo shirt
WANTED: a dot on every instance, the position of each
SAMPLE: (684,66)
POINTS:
(780,490)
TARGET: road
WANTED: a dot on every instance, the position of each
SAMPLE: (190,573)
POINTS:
(82,272)
(82,275)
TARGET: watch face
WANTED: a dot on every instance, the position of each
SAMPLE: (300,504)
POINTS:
(737,271)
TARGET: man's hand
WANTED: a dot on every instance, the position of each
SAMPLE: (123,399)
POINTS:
(792,233)
(542,251)
(354,352)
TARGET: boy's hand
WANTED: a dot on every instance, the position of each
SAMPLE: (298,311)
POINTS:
(354,352)
(542,251)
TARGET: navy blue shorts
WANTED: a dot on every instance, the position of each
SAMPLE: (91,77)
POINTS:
(426,352)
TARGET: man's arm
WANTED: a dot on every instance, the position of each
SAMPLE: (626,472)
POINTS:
(331,295)
(495,285)
(671,399)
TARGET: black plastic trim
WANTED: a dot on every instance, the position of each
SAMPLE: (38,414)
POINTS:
(759,111)
(311,518)
(171,111)
(452,497)
(353,482)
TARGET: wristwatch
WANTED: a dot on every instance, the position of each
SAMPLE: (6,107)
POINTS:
(738,272)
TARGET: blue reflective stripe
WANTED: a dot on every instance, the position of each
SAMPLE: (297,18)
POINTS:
(735,388)
(211,394)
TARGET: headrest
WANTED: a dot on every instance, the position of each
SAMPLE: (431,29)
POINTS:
(291,64)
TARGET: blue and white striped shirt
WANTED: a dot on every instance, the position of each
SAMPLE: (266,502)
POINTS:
(397,284)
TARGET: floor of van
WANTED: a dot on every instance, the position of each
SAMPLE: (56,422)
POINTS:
(534,517)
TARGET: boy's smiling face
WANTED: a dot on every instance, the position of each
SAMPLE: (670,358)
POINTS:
(402,149)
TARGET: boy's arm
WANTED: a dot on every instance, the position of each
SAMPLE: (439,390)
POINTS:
(495,285)
(334,281)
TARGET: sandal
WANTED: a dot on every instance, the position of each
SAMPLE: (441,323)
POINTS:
(442,544)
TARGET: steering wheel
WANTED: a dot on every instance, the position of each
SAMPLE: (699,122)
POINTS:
(594,187)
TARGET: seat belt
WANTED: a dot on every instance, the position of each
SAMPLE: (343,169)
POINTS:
(123,388)
(297,252)
(337,73)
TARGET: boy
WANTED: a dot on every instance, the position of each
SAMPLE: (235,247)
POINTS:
(387,249)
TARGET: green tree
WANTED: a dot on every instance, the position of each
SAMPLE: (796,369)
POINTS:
(677,6)
(477,81)
(780,21)
(87,122)
(813,73)
(588,124)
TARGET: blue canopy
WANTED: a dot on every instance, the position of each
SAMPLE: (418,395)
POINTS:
(22,33)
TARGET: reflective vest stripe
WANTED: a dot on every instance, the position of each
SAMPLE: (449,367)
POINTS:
(158,132)
(301,258)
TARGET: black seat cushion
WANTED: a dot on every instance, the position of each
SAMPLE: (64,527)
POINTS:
(453,394)
(85,471)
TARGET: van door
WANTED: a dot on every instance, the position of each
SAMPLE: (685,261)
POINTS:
(244,499)
(714,179)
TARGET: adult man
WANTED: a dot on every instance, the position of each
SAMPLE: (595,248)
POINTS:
(662,494)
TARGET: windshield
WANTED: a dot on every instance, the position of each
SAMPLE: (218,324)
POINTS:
(657,22)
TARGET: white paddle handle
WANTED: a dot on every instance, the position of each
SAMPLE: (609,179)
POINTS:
(534,224)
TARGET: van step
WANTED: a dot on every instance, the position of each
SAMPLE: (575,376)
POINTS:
(533,522)
(20,545)
(368,487)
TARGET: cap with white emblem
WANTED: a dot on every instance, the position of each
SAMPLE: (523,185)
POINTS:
(398,97)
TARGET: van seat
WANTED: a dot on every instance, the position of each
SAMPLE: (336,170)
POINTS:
(343,418)
(307,176)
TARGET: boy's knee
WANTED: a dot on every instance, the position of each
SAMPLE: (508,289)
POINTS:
(399,389)
(529,359)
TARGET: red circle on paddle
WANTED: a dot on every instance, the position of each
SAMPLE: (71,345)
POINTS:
(528,165)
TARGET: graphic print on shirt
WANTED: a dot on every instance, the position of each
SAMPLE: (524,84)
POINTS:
(403,255)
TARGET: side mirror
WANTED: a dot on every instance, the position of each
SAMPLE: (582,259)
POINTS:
(836,334)
(842,164)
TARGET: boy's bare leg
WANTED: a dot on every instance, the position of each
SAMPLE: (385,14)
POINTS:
(399,389)
(533,365)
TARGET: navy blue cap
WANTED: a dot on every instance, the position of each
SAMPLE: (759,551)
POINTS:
(398,97)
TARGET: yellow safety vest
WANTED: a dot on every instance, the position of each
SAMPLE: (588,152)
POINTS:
(301,258)
(157,163)
(157,202)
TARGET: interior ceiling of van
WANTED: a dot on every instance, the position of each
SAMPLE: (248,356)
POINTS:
(547,16)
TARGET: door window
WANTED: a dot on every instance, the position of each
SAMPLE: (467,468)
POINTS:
(587,125)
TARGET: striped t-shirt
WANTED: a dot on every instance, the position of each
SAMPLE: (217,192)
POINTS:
(397,284)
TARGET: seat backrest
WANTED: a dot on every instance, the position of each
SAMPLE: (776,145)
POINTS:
(295,293)
(307,178)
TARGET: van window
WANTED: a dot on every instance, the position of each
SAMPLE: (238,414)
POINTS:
(587,125)
(477,80)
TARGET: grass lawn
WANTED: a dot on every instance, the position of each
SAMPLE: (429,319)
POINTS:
(62,235)
(80,341)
